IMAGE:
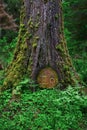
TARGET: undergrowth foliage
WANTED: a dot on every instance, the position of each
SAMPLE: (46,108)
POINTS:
(1,77)
(44,110)
(25,84)
(6,50)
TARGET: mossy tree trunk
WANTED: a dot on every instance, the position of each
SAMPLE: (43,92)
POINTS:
(41,44)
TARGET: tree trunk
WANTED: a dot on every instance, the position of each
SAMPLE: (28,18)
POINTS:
(41,51)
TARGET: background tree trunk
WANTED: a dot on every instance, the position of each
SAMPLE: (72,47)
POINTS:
(41,44)
(6,21)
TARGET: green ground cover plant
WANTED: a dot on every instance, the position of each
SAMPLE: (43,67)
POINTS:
(44,110)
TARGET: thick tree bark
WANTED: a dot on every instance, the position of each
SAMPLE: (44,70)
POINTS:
(41,44)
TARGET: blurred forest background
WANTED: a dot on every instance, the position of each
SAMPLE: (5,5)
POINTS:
(75,21)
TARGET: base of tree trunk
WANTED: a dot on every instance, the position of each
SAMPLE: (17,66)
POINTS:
(41,44)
